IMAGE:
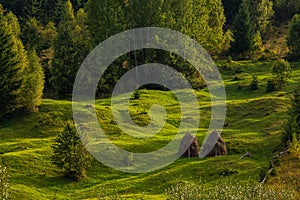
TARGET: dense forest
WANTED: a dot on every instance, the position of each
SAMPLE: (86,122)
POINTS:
(44,42)
(58,35)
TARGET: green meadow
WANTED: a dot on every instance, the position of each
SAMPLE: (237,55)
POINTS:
(254,123)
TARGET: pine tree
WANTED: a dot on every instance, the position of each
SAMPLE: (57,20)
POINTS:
(257,47)
(69,153)
(70,49)
(242,31)
(64,11)
(105,18)
(31,34)
(63,71)
(32,89)
(293,39)
(231,8)
(265,13)
(13,61)
(261,12)
(281,71)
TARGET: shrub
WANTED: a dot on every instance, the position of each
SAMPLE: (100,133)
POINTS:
(295,146)
(281,71)
(271,85)
(254,83)
(229,59)
(292,125)
(70,154)
(136,94)
(4,185)
(236,69)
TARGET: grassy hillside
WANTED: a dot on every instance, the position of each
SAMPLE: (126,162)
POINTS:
(254,123)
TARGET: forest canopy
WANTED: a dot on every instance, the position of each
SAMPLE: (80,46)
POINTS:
(57,35)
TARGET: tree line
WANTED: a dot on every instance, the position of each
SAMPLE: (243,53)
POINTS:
(43,43)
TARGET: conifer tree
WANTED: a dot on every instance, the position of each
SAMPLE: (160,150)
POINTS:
(63,71)
(105,18)
(33,85)
(281,70)
(13,60)
(69,153)
(64,11)
(242,31)
(293,39)
(70,49)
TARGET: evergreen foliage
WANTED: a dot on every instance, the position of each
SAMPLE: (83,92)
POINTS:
(69,154)
(63,12)
(293,39)
(13,61)
(257,47)
(231,8)
(254,83)
(295,146)
(63,70)
(243,32)
(261,12)
(281,71)
(271,85)
(285,9)
(32,89)
(70,48)
(22,77)
(293,124)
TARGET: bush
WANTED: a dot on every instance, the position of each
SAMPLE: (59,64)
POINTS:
(281,71)
(4,185)
(254,83)
(70,154)
(292,125)
(271,85)
(226,191)
(295,146)
(136,94)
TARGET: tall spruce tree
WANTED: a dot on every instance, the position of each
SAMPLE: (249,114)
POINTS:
(70,49)
(242,31)
(293,39)
(63,70)
(64,11)
(231,8)
(33,85)
(13,61)
(105,18)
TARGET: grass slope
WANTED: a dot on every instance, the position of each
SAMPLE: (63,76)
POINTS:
(254,123)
